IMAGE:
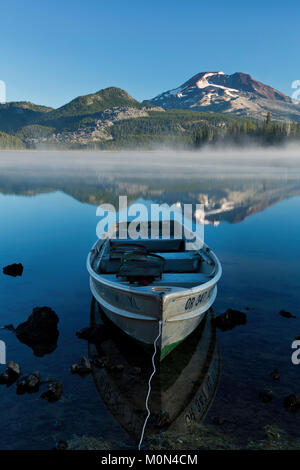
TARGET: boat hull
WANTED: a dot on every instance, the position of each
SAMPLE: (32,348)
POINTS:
(145,329)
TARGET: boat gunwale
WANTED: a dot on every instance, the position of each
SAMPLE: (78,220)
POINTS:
(175,294)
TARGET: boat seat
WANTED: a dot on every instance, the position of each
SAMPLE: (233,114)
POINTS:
(135,266)
(152,245)
(175,262)
(182,262)
(169,279)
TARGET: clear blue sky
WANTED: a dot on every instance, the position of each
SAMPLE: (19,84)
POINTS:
(53,51)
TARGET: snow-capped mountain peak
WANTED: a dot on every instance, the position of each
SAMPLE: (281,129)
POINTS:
(238,93)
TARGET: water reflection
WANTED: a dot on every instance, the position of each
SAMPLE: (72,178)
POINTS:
(229,193)
(51,235)
(183,387)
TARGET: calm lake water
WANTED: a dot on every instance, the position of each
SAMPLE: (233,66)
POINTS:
(48,222)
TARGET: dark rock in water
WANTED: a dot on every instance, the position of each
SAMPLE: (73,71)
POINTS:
(83,367)
(292,403)
(266,396)
(93,334)
(14,270)
(53,392)
(39,331)
(275,374)
(218,420)
(230,319)
(4,378)
(61,445)
(11,374)
(285,314)
(9,327)
(29,384)
(14,369)
(101,362)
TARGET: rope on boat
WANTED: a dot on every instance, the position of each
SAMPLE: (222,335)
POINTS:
(149,384)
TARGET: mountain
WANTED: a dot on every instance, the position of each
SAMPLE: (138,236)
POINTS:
(94,102)
(238,93)
(112,119)
(92,128)
(17,114)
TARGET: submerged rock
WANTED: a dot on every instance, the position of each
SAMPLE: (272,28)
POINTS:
(292,403)
(101,362)
(266,396)
(83,367)
(275,374)
(93,334)
(9,327)
(230,319)
(53,392)
(61,445)
(11,374)
(285,314)
(29,384)
(14,270)
(40,331)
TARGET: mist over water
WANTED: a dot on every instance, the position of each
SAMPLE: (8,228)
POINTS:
(169,163)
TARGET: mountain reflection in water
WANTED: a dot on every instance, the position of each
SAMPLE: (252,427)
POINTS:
(230,192)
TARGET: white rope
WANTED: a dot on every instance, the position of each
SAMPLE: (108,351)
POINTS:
(149,385)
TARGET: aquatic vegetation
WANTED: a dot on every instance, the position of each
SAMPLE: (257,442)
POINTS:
(88,443)
(276,439)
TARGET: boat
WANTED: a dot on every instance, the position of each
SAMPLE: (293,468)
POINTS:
(182,389)
(157,288)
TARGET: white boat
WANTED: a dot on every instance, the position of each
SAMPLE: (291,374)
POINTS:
(154,286)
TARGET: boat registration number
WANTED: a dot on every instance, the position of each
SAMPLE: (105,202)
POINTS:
(194,301)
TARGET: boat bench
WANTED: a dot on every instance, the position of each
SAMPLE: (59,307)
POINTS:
(169,279)
(160,245)
(176,262)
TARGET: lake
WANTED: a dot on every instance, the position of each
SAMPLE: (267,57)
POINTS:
(48,205)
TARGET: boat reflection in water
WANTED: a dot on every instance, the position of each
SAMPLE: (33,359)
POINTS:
(182,388)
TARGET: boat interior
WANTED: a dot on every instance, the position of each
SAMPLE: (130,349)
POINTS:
(153,262)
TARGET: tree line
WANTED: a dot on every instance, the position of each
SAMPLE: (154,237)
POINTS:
(264,132)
